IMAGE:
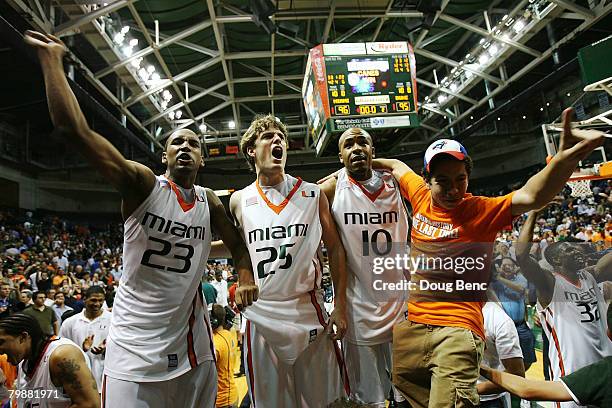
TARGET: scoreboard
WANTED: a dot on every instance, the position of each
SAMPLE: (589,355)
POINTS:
(366,85)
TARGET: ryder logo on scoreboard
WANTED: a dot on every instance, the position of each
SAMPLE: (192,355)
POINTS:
(393,47)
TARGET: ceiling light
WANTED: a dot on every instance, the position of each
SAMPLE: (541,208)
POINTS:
(125,29)
(231,124)
(482,40)
(118,38)
(453,86)
(155,77)
(541,109)
(547,104)
(167,95)
(483,59)
(202,127)
(498,118)
(136,63)
(493,50)
(519,25)
(441,99)
(164,105)
(127,50)
(569,94)
(524,117)
(505,37)
(504,17)
(179,113)
(471,117)
(171,115)
(134,42)
(144,75)
(150,69)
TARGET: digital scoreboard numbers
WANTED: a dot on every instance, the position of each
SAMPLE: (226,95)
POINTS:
(367,85)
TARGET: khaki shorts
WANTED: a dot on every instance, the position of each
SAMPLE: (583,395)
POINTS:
(436,366)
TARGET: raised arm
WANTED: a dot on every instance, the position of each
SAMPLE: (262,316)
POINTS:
(541,188)
(133,180)
(542,279)
(247,291)
(337,263)
(397,167)
(529,389)
(603,268)
(69,371)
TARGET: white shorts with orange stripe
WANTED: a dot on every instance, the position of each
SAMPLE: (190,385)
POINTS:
(197,388)
(314,380)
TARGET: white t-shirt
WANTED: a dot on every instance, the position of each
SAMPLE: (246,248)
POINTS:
(502,341)
(222,291)
(78,327)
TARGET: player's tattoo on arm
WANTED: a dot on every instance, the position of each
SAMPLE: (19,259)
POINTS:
(67,371)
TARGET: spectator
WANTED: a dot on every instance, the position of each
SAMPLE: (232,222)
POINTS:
(502,352)
(511,289)
(89,330)
(227,393)
(45,316)
(59,307)
(210,293)
(220,286)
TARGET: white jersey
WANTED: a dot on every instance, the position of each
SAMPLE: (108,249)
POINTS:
(575,324)
(78,327)
(373,226)
(282,231)
(501,341)
(45,393)
(160,329)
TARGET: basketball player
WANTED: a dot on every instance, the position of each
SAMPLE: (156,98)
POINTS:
(52,373)
(159,350)
(291,359)
(369,211)
(588,386)
(570,305)
(437,352)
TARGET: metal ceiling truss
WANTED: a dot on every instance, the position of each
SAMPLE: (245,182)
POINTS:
(447,94)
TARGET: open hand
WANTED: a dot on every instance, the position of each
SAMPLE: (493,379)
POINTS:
(87,343)
(577,144)
(47,45)
(100,348)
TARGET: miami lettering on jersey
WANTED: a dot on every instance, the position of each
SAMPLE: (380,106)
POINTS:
(277,232)
(352,218)
(171,227)
(433,229)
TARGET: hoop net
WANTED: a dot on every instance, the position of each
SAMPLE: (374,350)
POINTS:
(580,188)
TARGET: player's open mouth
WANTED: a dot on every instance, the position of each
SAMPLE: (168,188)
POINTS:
(358,158)
(277,152)
(184,158)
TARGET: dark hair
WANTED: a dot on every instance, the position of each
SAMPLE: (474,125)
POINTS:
(93,290)
(68,313)
(18,323)
(427,174)
(217,316)
(38,292)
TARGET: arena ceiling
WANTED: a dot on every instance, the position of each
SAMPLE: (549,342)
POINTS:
(210,65)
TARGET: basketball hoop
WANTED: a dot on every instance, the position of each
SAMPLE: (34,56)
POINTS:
(580,188)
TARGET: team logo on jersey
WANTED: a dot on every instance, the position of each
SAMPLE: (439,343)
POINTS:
(172,361)
(250,201)
(313,335)
(310,194)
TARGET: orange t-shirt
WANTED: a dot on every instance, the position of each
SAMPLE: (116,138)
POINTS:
(450,237)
